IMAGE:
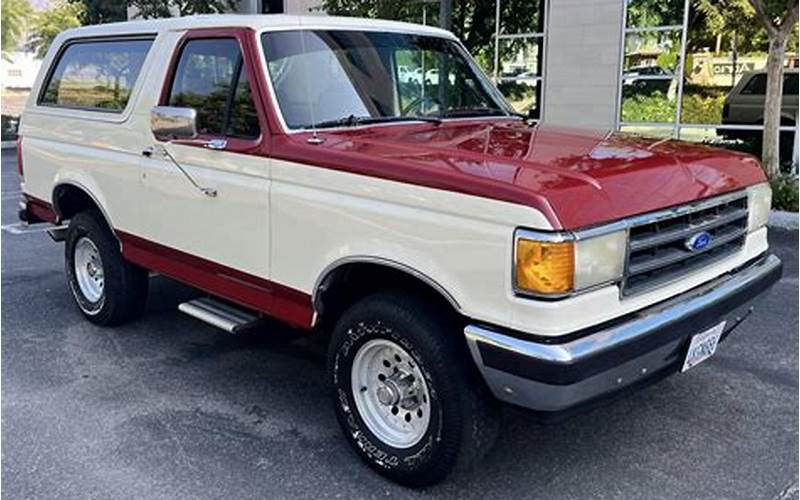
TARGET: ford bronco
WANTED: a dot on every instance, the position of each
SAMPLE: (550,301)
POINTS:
(458,254)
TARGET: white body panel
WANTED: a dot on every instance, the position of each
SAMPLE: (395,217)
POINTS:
(232,228)
(291,223)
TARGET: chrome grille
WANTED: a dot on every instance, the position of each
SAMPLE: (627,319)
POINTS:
(658,251)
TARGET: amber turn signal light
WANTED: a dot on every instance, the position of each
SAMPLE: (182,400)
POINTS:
(545,267)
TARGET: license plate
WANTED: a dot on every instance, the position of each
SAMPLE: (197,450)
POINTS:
(703,346)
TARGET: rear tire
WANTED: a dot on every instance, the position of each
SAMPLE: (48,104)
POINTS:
(107,289)
(395,358)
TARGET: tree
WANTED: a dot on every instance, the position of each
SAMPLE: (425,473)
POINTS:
(15,15)
(102,11)
(48,24)
(148,9)
(471,20)
(778,17)
(731,19)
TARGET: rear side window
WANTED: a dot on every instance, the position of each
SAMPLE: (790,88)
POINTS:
(95,75)
(758,85)
(790,86)
(211,78)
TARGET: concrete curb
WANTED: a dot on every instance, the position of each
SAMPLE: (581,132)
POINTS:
(784,220)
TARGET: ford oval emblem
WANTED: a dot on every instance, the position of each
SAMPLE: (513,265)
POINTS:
(698,241)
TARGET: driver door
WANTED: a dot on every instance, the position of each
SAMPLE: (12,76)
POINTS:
(219,242)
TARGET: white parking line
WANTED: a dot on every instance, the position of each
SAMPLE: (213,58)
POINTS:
(10,195)
(20,228)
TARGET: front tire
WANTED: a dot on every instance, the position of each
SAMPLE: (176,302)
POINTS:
(107,289)
(406,393)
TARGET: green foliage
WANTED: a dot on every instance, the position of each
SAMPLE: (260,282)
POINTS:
(15,16)
(47,24)
(702,104)
(642,13)
(669,59)
(734,20)
(473,20)
(102,11)
(149,9)
(380,9)
(785,192)
(654,107)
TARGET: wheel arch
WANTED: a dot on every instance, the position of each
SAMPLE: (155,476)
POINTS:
(350,278)
(70,197)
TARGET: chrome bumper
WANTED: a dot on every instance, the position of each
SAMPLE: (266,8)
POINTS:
(556,375)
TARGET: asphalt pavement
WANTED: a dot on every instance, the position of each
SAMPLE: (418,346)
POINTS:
(167,407)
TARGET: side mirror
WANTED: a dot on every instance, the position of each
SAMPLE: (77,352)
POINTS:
(173,122)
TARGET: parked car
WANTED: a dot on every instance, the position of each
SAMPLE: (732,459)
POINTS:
(637,72)
(458,255)
(744,105)
(649,80)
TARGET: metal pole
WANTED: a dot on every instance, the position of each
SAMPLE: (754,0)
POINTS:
(624,24)
(796,141)
(544,18)
(446,14)
(497,42)
(679,107)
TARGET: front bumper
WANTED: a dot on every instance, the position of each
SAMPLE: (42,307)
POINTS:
(555,376)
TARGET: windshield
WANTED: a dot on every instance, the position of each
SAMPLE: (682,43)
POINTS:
(339,78)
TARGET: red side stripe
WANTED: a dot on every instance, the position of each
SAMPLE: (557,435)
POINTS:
(40,209)
(281,302)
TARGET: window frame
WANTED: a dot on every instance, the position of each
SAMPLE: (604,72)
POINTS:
(151,37)
(250,65)
(540,39)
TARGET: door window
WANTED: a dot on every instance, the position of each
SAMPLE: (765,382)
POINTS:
(212,79)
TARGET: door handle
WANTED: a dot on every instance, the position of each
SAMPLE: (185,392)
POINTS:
(216,144)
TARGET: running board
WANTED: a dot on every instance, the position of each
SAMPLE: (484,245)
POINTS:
(57,232)
(216,313)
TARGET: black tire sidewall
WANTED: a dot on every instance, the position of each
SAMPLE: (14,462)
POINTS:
(433,456)
(83,226)
(125,285)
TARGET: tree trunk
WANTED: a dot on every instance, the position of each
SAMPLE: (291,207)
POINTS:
(772,105)
(446,14)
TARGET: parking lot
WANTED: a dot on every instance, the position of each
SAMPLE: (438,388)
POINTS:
(168,407)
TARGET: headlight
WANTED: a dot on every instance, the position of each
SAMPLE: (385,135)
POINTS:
(759,202)
(557,264)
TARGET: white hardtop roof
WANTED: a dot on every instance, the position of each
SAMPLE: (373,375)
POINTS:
(252,21)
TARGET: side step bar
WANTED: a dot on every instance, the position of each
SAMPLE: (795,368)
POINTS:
(223,316)
(58,233)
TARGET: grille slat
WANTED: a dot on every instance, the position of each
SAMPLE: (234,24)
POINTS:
(673,255)
(686,230)
(658,252)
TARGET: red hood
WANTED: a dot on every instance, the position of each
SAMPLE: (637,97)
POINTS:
(576,178)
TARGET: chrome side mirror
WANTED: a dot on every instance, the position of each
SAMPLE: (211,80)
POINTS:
(173,122)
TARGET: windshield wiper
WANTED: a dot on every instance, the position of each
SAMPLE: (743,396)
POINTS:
(467,112)
(352,120)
